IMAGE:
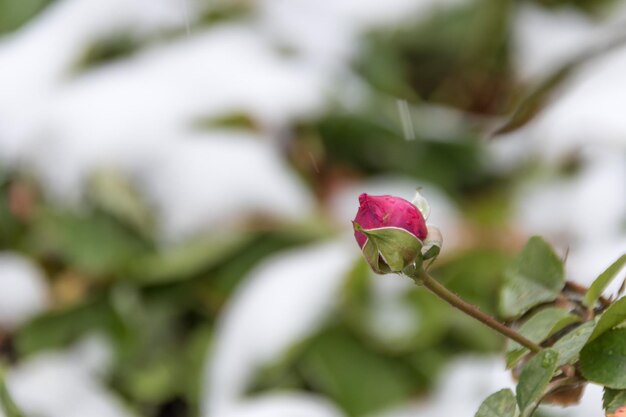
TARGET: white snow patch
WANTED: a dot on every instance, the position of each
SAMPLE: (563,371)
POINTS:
(282,301)
(65,384)
(464,385)
(284,405)
(469,380)
(196,182)
(36,59)
(590,405)
(586,109)
(140,111)
(587,112)
(544,40)
(589,207)
(23,290)
(327,32)
(212,180)
(587,260)
(161,92)
(391,317)
(585,213)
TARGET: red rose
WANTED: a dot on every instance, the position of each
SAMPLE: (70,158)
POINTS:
(392,232)
(388,211)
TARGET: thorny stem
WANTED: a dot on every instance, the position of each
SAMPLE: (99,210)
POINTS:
(422,277)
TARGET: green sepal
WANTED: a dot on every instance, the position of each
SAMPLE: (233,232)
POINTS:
(372,256)
(432,252)
(432,243)
(397,247)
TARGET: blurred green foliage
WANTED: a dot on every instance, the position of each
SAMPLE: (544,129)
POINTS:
(14,14)
(158,305)
(377,146)
(459,58)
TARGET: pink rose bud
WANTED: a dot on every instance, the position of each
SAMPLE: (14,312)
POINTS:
(388,211)
(390,231)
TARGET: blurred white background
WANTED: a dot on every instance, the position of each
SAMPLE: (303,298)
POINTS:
(281,64)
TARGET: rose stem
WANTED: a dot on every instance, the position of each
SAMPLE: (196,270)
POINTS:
(454,300)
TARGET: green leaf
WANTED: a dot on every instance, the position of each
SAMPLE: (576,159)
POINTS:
(369,142)
(16,13)
(613,399)
(498,404)
(544,92)
(91,242)
(604,359)
(540,326)
(58,328)
(178,263)
(536,276)
(476,276)
(167,371)
(602,281)
(534,379)
(360,380)
(114,194)
(613,316)
(537,99)
(398,247)
(570,345)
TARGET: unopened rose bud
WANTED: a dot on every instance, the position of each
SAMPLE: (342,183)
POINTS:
(390,231)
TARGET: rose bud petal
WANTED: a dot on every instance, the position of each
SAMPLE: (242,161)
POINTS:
(388,211)
(390,231)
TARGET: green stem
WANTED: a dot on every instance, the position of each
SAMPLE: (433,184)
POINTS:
(422,277)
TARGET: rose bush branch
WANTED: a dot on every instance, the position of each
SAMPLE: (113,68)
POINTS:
(394,238)
(422,277)
(583,332)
